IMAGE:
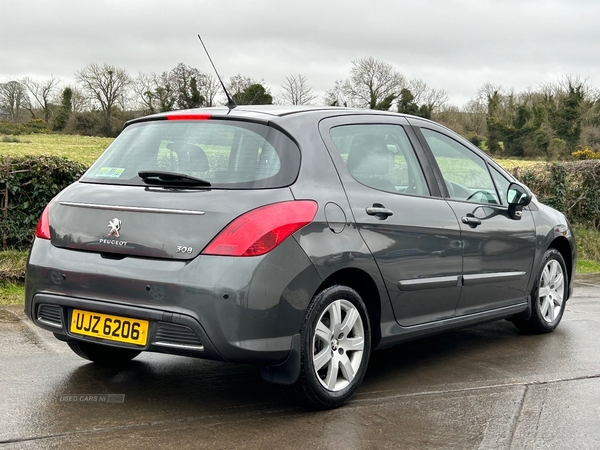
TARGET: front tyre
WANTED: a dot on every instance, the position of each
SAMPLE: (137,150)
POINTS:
(549,295)
(335,348)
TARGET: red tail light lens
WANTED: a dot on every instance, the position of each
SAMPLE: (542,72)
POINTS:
(261,230)
(43,227)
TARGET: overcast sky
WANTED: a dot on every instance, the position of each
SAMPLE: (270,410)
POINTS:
(455,45)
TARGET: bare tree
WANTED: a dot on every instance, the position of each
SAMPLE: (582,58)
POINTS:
(374,82)
(13,98)
(434,99)
(209,87)
(296,91)
(106,85)
(474,117)
(79,101)
(498,101)
(239,83)
(562,86)
(182,87)
(144,88)
(452,117)
(589,106)
(41,92)
(338,94)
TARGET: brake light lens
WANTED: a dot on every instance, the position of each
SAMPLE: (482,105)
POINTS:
(261,230)
(43,227)
(188,116)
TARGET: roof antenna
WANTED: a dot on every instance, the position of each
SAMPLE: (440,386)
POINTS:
(230,103)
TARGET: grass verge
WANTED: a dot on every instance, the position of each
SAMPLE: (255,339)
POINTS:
(12,265)
(11,293)
(12,275)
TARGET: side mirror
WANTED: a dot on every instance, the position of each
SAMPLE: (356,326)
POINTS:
(517,197)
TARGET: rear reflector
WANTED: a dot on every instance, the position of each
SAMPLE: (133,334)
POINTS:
(261,230)
(188,116)
(43,227)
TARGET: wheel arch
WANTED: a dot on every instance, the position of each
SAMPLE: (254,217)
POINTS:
(366,287)
(562,245)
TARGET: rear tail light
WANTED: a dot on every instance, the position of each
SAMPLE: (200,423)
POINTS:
(261,230)
(43,227)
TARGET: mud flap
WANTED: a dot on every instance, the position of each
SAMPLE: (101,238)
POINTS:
(288,371)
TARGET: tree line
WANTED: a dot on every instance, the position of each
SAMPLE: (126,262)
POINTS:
(556,120)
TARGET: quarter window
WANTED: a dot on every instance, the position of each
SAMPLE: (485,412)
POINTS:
(501,184)
(381,157)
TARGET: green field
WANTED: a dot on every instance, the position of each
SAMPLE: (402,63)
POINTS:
(510,164)
(84,149)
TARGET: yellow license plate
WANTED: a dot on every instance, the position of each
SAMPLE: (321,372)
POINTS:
(113,328)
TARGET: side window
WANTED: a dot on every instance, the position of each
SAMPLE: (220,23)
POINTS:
(466,175)
(381,157)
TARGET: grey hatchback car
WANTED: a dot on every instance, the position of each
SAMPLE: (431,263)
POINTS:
(298,239)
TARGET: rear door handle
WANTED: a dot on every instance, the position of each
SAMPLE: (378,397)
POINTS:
(379,211)
(471,220)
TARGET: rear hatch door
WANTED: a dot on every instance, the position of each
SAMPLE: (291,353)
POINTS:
(165,188)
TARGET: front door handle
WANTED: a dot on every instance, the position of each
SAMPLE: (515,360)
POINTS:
(379,211)
(471,220)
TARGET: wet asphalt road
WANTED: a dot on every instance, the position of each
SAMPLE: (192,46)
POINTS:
(486,387)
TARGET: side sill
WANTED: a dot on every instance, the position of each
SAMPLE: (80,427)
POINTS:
(392,333)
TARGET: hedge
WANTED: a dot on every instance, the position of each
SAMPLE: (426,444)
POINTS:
(571,187)
(27,184)
(32,127)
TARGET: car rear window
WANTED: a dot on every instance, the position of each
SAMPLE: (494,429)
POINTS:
(227,154)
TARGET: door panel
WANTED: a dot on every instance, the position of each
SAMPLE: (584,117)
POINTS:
(498,257)
(418,251)
(414,238)
(498,250)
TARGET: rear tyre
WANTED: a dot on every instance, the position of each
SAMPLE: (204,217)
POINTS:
(334,350)
(548,297)
(102,354)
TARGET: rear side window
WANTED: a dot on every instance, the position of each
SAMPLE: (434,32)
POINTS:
(227,154)
(381,157)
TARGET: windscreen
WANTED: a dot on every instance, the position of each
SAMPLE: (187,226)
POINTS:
(226,154)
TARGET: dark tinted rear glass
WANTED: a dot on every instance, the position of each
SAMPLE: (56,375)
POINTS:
(227,154)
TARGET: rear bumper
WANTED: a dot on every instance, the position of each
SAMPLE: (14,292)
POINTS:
(172,333)
(243,310)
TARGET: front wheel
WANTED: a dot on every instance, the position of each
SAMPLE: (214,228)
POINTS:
(549,295)
(335,348)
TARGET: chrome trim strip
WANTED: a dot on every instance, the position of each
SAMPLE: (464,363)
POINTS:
(47,322)
(184,346)
(132,208)
(429,283)
(469,280)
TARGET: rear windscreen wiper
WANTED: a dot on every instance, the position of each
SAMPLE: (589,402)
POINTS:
(157,177)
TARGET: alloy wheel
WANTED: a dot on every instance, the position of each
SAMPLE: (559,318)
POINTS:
(338,345)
